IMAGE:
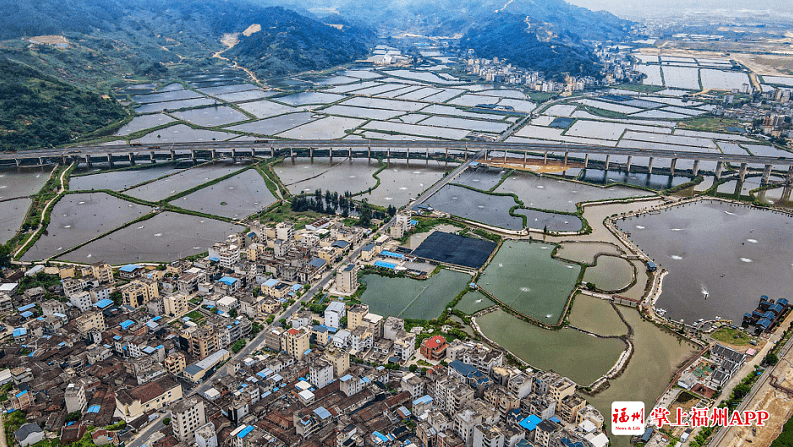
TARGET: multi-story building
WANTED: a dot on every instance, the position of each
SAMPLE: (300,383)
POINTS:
(103,272)
(92,321)
(296,342)
(82,301)
(176,304)
(187,416)
(568,408)
(339,359)
(335,311)
(355,315)
(133,403)
(227,253)
(285,231)
(434,348)
(139,292)
(347,279)
(487,436)
(202,342)
(175,362)
(75,398)
(320,373)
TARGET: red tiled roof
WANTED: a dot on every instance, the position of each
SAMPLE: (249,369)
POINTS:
(435,342)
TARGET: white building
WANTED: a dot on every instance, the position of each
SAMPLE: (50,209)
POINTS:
(335,311)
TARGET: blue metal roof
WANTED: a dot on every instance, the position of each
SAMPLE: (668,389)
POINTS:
(228,280)
(129,268)
(213,259)
(126,324)
(104,303)
(391,254)
(26,307)
(20,331)
(385,265)
(27,314)
(94,409)
(782,301)
(271,282)
(530,423)
(245,431)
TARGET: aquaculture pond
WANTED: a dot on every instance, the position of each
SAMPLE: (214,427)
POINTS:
(574,354)
(412,298)
(524,276)
(165,237)
(302,175)
(550,193)
(121,180)
(182,181)
(235,197)
(77,218)
(721,257)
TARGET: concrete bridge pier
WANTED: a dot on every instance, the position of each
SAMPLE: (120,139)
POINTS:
(110,161)
(608,161)
(566,154)
(388,154)
(427,157)
(87,160)
(132,158)
(790,175)
(407,153)
(272,152)
(349,152)
(766,174)
(786,193)
(466,153)
(369,152)
(695,170)
(16,160)
(719,168)
(447,155)
(672,166)
(742,172)
(41,161)
(234,155)
(151,157)
(650,166)
(292,153)
(192,155)
(63,159)
(311,154)
(330,151)
(525,156)
(586,160)
(173,155)
(545,158)
(628,164)
(214,154)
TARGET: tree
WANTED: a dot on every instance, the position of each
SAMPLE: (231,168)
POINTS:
(166,421)
(73,416)
(233,313)
(412,368)
(270,319)
(238,345)
(771,359)
(116,297)
(5,255)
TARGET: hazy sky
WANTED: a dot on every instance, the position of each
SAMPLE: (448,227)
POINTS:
(644,8)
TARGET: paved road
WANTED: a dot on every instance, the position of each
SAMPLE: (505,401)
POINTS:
(281,147)
(149,430)
(446,179)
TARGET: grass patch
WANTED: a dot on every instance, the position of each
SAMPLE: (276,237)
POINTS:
(731,336)
(639,88)
(709,124)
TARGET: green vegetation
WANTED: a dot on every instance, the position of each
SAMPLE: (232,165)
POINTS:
(731,336)
(73,416)
(290,43)
(166,421)
(554,58)
(785,438)
(39,111)
(709,123)
(12,423)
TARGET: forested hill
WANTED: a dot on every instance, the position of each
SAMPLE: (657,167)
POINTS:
(40,111)
(289,42)
(509,37)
